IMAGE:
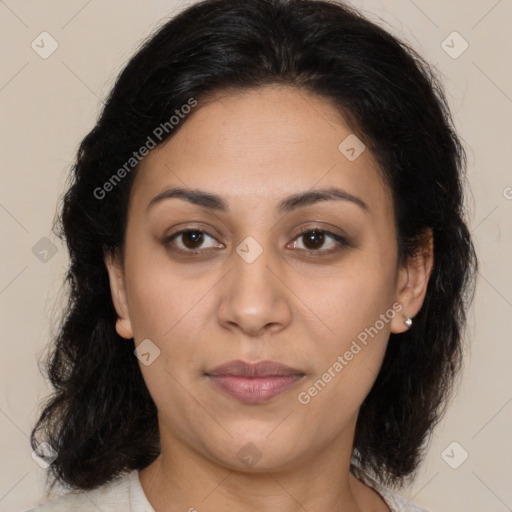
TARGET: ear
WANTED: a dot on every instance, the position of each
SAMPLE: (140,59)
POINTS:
(412,282)
(118,292)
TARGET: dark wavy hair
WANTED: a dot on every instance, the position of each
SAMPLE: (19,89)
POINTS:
(100,419)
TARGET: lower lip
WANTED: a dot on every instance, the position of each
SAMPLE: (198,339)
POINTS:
(254,390)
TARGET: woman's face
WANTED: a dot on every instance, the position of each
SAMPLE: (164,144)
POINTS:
(243,284)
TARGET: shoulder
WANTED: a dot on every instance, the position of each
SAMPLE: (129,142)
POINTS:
(114,496)
(395,502)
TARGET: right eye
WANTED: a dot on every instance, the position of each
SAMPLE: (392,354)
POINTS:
(190,240)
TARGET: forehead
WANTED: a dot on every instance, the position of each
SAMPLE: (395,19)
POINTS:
(258,146)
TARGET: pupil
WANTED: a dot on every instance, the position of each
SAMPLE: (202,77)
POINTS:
(194,236)
(316,238)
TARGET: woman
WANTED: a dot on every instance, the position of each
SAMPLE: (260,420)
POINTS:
(270,270)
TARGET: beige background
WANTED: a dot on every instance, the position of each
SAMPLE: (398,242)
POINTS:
(48,106)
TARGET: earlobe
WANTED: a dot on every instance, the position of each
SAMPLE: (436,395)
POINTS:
(412,284)
(118,294)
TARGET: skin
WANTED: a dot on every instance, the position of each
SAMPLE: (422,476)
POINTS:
(253,149)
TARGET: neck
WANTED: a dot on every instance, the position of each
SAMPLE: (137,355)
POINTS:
(182,479)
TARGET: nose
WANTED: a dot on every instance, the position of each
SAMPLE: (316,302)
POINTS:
(255,298)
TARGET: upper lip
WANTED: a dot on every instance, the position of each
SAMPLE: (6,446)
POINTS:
(240,368)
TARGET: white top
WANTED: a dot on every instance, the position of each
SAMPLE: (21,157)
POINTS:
(125,494)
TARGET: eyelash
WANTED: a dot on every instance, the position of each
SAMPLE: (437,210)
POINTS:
(342,242)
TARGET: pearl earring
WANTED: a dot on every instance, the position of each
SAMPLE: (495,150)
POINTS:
(408,321)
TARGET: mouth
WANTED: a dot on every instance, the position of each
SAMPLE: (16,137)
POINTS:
(254,383)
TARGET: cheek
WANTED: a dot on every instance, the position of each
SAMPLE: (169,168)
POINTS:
(352,301)
(170,310)
(159,297)
(348,365)
(357,309)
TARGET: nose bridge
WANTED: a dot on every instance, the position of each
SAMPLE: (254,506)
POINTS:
(254,297)
(253,255)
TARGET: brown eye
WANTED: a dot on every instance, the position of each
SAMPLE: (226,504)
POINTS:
(314,239)
(190,240)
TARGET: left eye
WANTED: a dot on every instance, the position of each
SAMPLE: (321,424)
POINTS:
(315,239)
(193,239)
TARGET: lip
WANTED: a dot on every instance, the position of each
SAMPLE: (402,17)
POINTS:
(254,383)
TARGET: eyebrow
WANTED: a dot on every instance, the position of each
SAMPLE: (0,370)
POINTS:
(293,202)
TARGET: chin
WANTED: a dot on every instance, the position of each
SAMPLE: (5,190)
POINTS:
(256,453)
